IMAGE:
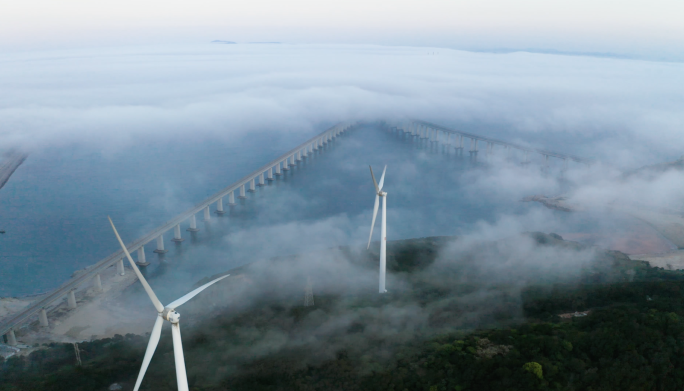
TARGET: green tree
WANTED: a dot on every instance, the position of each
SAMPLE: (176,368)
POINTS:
(535,368)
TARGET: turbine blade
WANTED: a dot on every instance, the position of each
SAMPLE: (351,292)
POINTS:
(181,377)
(178,302)
(151,346)
(382,179)
(375,214)
(377,189)
(157,304)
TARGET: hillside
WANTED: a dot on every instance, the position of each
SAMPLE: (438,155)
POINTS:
(460,315)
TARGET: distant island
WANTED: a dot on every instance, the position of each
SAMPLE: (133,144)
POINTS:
(235,43)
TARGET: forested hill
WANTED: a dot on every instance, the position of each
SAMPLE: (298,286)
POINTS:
(460,315)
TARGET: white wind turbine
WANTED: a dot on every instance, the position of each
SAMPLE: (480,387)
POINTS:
(383,229)
(164,313)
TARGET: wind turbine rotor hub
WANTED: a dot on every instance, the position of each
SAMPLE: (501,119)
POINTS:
(171,315)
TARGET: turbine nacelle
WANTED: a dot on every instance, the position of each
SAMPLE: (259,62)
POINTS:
(171,315)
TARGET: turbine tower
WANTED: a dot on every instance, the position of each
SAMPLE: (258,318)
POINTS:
(383,230)
(164,313)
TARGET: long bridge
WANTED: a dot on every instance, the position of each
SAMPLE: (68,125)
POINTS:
(91,275)
(414,128)
(440,134)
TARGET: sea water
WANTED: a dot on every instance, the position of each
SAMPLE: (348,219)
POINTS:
(55,207)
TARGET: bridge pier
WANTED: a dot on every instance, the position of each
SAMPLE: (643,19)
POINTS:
(252,187)
(231,198)
(277,169)
(97,283)
(207,214)
(473,146)
(262,182)
(193,226)
(141,257)
(298,154)
(11,338)
(292,160)
(219,207)
(285,165)
(242,195)
(120,267)
(160,245)
(42,318)
(526,158)
(177,234)
(71,299)
(270,174)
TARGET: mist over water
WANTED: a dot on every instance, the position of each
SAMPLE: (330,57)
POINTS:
(143,133)
(55,208)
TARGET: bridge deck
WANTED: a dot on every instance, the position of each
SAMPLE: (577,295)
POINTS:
(23,316)
(502,142)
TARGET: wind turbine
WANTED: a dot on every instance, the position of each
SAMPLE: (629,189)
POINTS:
(164,313)
(383,230)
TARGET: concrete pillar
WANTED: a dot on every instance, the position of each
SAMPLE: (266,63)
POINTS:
(120,268)
(207,214)
(11,338)
(460,141)
(193,224)
(298,154)
(71,299)
(242,195)
(448,140)
(292,160)
(177,234)
(219,207)
(141,257)
(231,198)
(285,165)
(160,245)
(252,185)
(270,174)
(277,169)
(42,318)
(97,283)
(261,179)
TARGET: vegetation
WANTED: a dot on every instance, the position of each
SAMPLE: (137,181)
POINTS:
(435,331)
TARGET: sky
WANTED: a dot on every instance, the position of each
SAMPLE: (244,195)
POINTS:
(630,27)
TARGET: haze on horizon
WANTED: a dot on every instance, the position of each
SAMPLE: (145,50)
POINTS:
(630,28)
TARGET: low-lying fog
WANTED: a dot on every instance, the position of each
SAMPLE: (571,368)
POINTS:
(142,133)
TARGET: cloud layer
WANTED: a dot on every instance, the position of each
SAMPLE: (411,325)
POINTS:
(623,111)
